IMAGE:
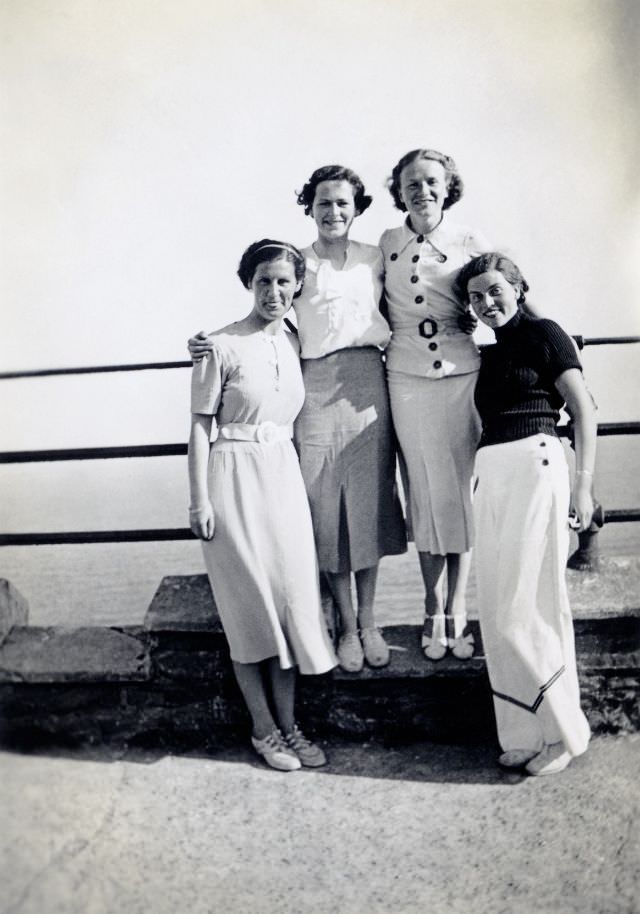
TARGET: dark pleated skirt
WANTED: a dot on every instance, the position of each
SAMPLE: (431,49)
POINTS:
(345,441)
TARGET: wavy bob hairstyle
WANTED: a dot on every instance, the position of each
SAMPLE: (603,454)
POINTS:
(307,195)
(266,251)
(455,187)
(483,264)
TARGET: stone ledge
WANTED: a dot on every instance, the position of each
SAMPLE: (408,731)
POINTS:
(14,608)
(183,603)
(74,655)
(170,683)
(57,654)
(612,590)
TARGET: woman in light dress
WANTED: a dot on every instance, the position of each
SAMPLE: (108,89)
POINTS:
(521,508)
(250,509)
(432,365)
(343,433)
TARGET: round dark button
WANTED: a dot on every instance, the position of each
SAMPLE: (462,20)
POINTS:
(419,299)
(437,364)
(393,257)
(415,258)
(420,239)
(433,346)
(441,258)
(543,444)
(545,463)
(414,279)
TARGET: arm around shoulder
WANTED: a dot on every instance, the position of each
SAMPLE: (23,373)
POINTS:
(199,345)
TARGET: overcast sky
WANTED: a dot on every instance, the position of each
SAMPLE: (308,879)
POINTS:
(146,143)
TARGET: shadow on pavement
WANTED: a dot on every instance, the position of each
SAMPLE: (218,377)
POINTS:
(415,761)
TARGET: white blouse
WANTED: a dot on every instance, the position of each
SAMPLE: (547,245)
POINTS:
(339,309)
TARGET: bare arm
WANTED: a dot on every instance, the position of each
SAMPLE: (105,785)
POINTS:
(570,384)
(201,517)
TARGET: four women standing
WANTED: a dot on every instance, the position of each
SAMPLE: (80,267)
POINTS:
(344,440)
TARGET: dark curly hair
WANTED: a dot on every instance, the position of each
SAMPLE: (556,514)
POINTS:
(266,251)
(306,196)
(455,187)
(483,264)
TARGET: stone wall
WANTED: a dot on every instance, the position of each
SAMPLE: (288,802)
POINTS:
(169,683)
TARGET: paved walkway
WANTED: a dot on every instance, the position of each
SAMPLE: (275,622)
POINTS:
(420,828)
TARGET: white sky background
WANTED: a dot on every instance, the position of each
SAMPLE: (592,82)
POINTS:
(146,144)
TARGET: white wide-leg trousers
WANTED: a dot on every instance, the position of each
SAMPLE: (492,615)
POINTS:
(521,506)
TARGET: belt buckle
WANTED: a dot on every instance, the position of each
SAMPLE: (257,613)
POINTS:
(433,327)
(267,432)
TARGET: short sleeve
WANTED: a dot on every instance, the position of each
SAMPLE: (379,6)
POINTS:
(384,240)
(207,380)
(475,244)
(561,352)
(378,264)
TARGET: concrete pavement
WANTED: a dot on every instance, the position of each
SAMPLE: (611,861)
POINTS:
(418,828)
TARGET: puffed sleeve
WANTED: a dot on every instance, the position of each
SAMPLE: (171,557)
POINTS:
(475,244)
(207,381)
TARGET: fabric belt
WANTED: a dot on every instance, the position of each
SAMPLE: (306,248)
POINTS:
(263,432)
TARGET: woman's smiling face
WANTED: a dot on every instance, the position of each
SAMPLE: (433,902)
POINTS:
(273,285)
(333,209)
(423,188)
(493,298)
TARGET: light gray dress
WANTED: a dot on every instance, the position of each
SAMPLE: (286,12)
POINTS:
(261,561)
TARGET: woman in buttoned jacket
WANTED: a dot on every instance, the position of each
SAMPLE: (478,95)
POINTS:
(432,365)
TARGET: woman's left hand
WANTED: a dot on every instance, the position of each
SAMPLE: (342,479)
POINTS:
(202,522)
(582,504)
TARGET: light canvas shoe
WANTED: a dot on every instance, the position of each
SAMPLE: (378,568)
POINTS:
(553,759)
(275,752)
(517,758)
(376,649)
(309,754)
(350,655)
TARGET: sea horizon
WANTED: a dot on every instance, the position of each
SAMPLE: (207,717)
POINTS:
(113,583)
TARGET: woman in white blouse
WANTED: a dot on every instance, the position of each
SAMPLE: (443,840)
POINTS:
(343,433)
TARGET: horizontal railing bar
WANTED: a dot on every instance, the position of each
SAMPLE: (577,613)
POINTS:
(616,516)
(90,369)
(609,340)
(621,515)
(159,366)
(605,429)
(94,453)
(95,536)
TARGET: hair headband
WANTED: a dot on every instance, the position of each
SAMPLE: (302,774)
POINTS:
(279,245)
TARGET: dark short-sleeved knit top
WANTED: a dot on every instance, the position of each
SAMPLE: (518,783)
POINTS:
(516,394)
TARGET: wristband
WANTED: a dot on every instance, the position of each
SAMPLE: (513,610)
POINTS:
(193,511)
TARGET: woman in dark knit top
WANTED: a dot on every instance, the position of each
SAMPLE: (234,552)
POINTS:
(521,506)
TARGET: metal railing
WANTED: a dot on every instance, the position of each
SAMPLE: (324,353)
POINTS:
(605,429)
